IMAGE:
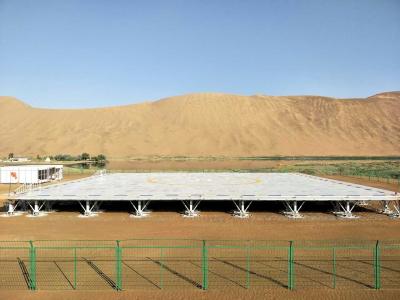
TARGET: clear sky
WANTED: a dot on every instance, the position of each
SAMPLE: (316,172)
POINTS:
(73,53)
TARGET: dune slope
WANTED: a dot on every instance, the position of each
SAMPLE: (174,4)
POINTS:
(208,124)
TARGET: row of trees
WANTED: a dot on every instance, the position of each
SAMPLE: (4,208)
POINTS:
(84,156)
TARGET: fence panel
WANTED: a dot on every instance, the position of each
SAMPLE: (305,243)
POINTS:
(159,264)
(55,268)
(15,265)
(390,264)
(355,267)
(314,267)
(75,265)
(75,268)
(247,263)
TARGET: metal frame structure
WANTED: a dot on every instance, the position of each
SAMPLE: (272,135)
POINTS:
(292,189)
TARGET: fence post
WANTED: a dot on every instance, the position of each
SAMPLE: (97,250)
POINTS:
(290,266)
(204,264)
(334,266)
(75,268)
(377,267)
(161,268)
(32,266)
(118,254)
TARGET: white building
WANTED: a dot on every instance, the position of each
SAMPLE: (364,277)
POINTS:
(19,159)
(31,173)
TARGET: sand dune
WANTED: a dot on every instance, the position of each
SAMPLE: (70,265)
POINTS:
(208,124)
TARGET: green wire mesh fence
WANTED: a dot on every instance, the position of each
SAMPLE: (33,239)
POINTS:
(198,264)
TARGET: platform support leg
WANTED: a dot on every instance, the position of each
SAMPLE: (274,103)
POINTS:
(191,208)
(36,208)
(346,210)
(88,210)
(140,208)
(242,209)
(396,212)
(293,209)
(386,208)
(11,208)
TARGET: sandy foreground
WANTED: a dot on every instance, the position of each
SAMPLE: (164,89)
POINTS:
(223,294)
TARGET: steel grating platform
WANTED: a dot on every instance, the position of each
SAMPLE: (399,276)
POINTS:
(192,188)
(206,186)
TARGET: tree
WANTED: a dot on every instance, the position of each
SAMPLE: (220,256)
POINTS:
(100,158)
(10,155)
(85,156)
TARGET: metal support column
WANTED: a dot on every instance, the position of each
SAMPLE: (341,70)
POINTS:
(386,208)
(140,211)
(88,209)
(396,206)
(242,209)
(36,208)
(191,208)
(293,210)
(346,210)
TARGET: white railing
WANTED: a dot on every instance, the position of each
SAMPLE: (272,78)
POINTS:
(27,187)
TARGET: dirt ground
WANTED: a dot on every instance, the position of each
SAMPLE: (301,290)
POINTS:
(215,222)
(228,294)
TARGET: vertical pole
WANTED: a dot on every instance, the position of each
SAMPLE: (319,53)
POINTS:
(248,267)
(118,253)
(377,268)
(334,266)
(10,208)
(36,208)
(87,211)
(290,266)
(140,207)
(204,264)
(289,271)
(161,268)
(75,263)
(32,261)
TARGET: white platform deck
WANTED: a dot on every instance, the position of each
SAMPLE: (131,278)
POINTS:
(206,187)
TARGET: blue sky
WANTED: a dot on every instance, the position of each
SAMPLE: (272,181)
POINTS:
(70,53)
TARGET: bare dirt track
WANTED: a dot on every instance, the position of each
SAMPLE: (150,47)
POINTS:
(209,125)
(223,294)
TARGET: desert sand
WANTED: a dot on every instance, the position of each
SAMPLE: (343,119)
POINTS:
(208,125)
